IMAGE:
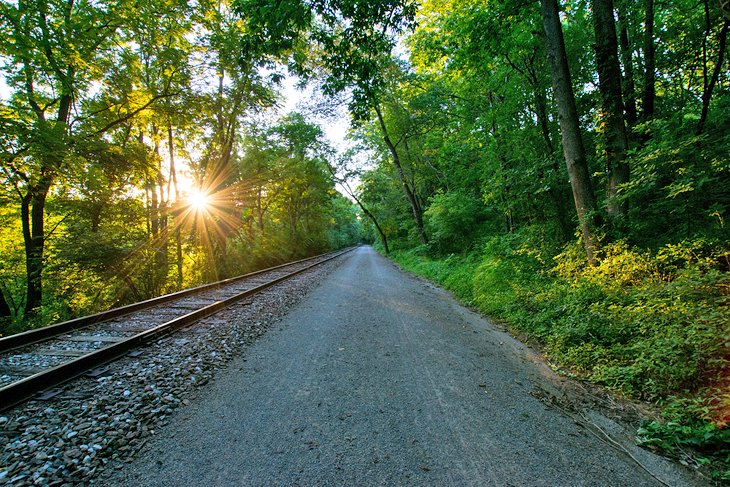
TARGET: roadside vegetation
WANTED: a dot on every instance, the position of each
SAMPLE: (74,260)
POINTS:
(648,326)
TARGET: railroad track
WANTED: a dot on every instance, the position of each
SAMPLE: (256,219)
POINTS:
(38,360)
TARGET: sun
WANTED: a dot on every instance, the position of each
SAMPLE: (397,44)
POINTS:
(198,200)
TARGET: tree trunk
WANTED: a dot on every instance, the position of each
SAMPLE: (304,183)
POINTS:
(161,259)
(415,207)
(32,215)
(557,193)
(33,202)
(707,93)
(612,107)
(505,194)
(345,185)
(173,178)
(95,216)
(154,213)
(381,233)
(649,61)
(629,87)
(4,308)
(573,149)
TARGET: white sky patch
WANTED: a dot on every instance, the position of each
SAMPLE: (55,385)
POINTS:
(5,90)
(334,124)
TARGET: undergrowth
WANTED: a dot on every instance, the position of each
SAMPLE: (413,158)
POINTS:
(653,326)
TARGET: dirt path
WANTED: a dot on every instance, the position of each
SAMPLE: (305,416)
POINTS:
(379,379)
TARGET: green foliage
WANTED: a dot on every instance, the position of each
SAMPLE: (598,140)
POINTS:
(452,220)
(350,39)
(507,256)
(454,272)
(631,327)
(688,426)
(12,278)
(344,227)
(678,186)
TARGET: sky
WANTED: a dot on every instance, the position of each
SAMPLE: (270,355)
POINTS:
(334,125)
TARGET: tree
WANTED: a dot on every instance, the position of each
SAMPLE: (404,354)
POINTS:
(627,61)
(709,86)
(343,180)
(285,182)
(649,61)
(353,40)
(612,106)
(573,149)
(407,189)
(492,72)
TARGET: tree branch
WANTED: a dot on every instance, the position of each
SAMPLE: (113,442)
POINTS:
(134,112)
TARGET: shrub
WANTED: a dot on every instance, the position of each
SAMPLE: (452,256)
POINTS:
(451,220)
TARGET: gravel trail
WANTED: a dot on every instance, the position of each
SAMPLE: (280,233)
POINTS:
(377,378)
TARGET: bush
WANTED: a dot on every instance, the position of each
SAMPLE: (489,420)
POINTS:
(451,220)
(454,272)
(688,426)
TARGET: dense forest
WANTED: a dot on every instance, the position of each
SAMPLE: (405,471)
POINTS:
(560,166)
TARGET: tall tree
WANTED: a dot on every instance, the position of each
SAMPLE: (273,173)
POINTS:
(408,189)
(57,50)
(627,61)
(573,149)
(649,62)
(343,181)
(710,84)
(52,46)
(612,106)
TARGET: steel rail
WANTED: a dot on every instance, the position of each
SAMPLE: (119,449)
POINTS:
(26,388)
(31,337)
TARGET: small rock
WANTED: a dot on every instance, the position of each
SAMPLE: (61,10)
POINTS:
(73,453)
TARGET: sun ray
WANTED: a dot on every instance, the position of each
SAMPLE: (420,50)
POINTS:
(199,200)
